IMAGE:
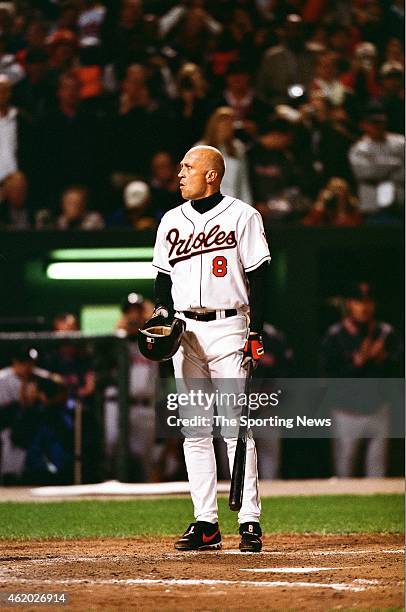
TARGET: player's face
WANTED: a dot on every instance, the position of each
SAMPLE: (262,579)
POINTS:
(193,172)
(361,311)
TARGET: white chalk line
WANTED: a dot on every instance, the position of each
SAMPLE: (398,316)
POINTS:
(293,570)
(338,586)
(312,553)
(302,553)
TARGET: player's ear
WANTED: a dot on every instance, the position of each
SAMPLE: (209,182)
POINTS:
(211,176)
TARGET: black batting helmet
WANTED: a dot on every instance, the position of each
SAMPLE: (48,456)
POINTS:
(159,338)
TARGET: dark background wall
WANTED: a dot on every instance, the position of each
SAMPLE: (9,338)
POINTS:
(310,268)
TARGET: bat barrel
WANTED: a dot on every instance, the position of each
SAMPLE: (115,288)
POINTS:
(237,479)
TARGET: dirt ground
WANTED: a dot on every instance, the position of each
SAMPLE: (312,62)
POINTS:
(306,572)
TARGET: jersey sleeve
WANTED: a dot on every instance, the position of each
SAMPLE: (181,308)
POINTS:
(252,244)
(160,259)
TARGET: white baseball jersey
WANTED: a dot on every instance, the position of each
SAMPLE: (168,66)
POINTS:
(208,255)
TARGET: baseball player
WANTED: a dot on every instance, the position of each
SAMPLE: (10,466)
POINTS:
(211,254)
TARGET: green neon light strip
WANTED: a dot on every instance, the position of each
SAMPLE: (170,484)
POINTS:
(101,270)
(96,254)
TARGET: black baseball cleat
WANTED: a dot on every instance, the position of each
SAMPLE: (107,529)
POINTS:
(200,536)
(250,537)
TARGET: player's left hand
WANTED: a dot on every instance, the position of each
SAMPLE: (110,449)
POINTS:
(253,349)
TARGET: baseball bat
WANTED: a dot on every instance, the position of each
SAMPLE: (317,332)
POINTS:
(237,479)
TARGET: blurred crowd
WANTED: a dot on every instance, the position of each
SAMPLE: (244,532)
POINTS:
(100,100)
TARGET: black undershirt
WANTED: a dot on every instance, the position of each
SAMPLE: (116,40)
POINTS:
(257,279)
(205,204)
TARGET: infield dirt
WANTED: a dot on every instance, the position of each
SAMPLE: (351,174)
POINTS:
(306,572)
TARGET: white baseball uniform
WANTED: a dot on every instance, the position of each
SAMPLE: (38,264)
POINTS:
(207,256)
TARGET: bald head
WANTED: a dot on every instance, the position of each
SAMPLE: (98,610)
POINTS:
(202,170)
(212,157)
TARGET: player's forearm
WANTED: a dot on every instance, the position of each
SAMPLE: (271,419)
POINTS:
(163,291)
(257,280)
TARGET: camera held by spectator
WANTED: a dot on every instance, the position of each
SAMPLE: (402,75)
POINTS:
(336,205)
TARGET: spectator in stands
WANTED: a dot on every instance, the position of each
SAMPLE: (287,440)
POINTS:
(219,133)
(370,22)
(138,213)
(279,178)
(235,42)
(362,79)
(71,144)
(75,214)
(35,93)
(377,161)
(336,205)
(339,42)
(239,94)
(14,213)
(330,135)
(62,47)
(89,72)
(90,21)
(139,129)
(164,184)
(9,66)
(286,65)
(394,51)
(66,18)
(189,30)
(34,39)
(392,99)
(124,37)
(189,111)
(360,347)
(326,80)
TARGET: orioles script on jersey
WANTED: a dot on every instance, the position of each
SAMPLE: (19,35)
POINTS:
(208,255)
(184,248)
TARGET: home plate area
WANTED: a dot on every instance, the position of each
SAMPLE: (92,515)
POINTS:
(305,572)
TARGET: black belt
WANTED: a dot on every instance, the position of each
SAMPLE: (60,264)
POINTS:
(209,316)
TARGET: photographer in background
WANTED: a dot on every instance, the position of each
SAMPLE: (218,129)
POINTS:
(392,77)
(336,205)
(46,432)
(362,79)
(330,134)
(18,392)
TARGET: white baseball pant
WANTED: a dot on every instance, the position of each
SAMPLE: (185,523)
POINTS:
(211,351)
